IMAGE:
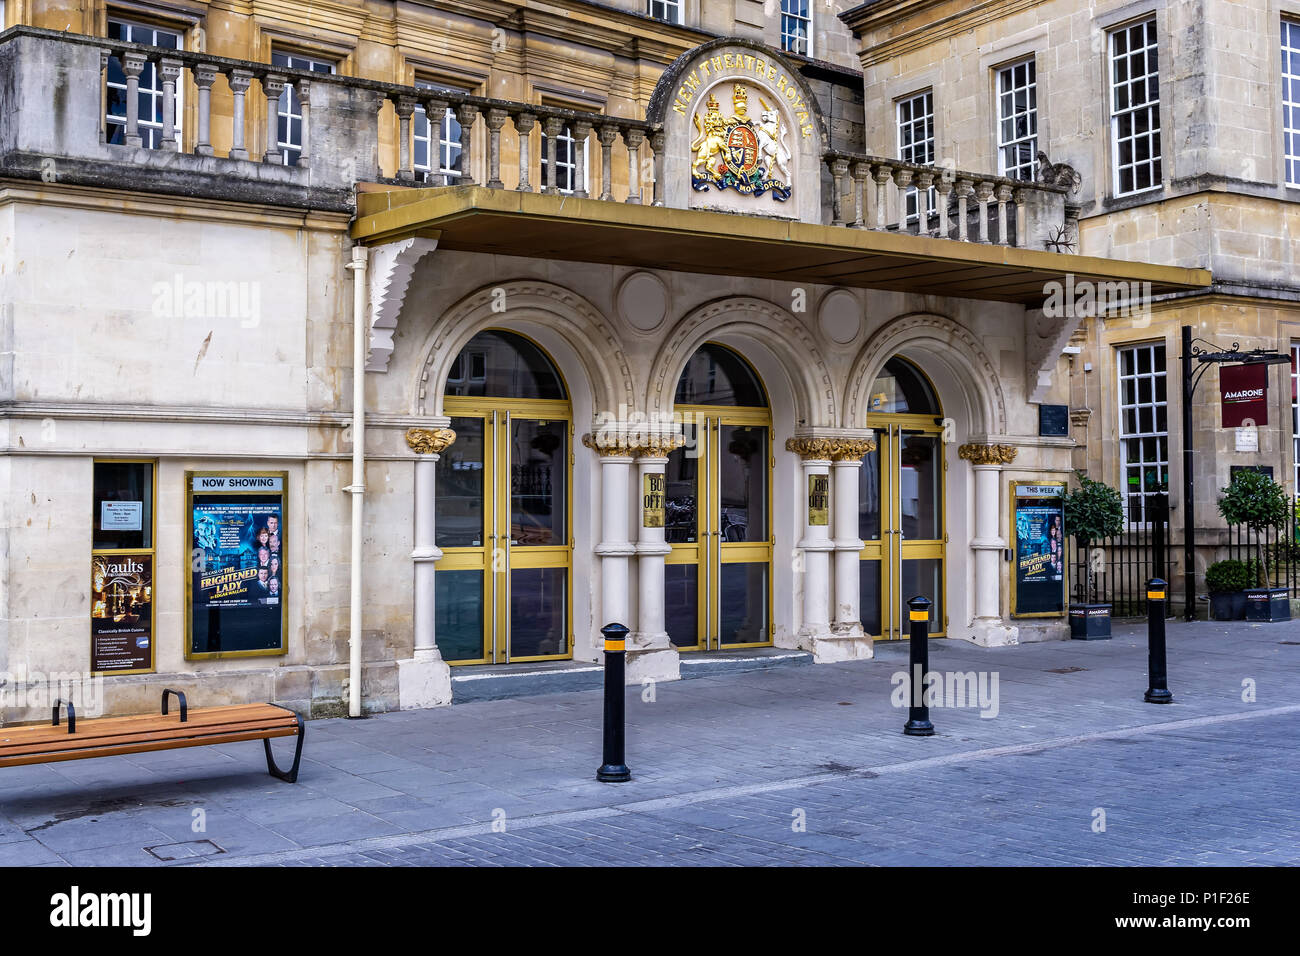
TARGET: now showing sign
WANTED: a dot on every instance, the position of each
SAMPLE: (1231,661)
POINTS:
(1244,393)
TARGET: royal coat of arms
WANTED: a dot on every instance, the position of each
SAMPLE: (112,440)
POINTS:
(735,152)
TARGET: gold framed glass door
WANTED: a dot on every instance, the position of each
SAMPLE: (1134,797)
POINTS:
(717,578)
(504,500)
(901,506)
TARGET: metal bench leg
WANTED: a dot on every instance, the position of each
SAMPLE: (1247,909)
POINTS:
(291,775)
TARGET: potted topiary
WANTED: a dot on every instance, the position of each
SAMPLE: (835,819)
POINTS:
(1254,499)
(1093,511)
(1227,582)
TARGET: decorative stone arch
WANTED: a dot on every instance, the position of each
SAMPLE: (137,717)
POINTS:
(738,318)
(543,311)
(936,344)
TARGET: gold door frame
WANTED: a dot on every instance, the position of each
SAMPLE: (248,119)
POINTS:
(494,557)
(892,548)
(709,552)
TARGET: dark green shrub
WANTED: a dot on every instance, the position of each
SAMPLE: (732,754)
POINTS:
(1224,577)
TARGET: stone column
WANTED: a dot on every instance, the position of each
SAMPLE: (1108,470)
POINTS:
(845,639)
(650,654)
(424,680)
(988,544)
(614,548)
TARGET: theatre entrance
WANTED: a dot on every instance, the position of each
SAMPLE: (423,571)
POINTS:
(718,577)
(503,507)
(901,504)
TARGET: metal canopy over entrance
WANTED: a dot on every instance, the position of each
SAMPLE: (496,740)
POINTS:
(556,227)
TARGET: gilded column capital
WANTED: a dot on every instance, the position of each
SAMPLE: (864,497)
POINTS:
(633,444)
(429,441)
(610,444)
(830,449)
(988,454)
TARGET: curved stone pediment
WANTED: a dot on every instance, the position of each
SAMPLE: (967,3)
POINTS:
(743,133)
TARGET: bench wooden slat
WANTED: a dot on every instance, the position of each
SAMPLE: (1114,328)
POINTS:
(117,750)
(172,732)
(136,723)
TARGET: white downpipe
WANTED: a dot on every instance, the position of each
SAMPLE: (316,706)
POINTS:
(360,256)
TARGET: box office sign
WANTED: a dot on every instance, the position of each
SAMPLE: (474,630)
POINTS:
(1243,391)
(819,509)
(121,613)
(1038,549)
(236,584)
(652,501)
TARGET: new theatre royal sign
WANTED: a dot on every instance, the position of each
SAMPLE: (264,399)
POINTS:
(743,134)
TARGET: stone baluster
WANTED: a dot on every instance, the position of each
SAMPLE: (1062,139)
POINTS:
(273,85)
(240,81)
(1018,197)
(964,189)
(943,187)
(170,71)
(839,169)
(657,142)
(903,180)
(607,136)
(303,88)
(1003,193)
(435,111)
(495,120)
(205,74)
(466,113)
(405,107)
(581,133)
(882,175)
(552,126)
(632,139)
(861,173)
(133,65)
(983,193)
(924,181)
(524,124)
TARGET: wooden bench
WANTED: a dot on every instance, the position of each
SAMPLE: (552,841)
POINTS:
(112,736)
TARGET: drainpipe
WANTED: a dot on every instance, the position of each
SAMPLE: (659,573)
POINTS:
(357,489)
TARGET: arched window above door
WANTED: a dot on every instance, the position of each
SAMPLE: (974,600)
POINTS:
(499,364)
(715,375)
(900,388)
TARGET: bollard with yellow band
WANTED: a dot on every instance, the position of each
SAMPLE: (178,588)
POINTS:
(614,769)
(1157,676)
(918,714)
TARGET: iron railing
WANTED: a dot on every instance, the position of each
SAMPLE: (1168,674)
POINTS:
(1122,565)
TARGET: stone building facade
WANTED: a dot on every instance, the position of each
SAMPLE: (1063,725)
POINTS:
(645,326)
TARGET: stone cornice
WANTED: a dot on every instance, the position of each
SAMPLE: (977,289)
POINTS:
(830,449)
(988,454)
(429,441)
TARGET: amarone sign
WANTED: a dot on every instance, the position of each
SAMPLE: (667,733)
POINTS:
(1244,393)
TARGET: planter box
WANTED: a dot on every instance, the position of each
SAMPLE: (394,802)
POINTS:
(1228,606)
(1268,604)
(1090,622)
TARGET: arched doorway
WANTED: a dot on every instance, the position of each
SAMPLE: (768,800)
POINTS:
(504,505)
(901,503)
(718,576)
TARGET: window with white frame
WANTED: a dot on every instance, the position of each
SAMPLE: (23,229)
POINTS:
(1144,427)
(1295,417)
(1291,100)
(150,94)
(670,11)
(566,166)
(796,26)
(916,140)
(1018,120)
(289,136)
(1135,108)
(437,150)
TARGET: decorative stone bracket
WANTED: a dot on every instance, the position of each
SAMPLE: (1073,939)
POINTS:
(1045,339)
(392,266)
(988,454)
(429,441)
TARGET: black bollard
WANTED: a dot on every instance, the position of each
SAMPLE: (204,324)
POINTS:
(1157,675)
(918,715)
(614,770)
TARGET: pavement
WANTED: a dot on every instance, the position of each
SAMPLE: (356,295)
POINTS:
(776,765)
